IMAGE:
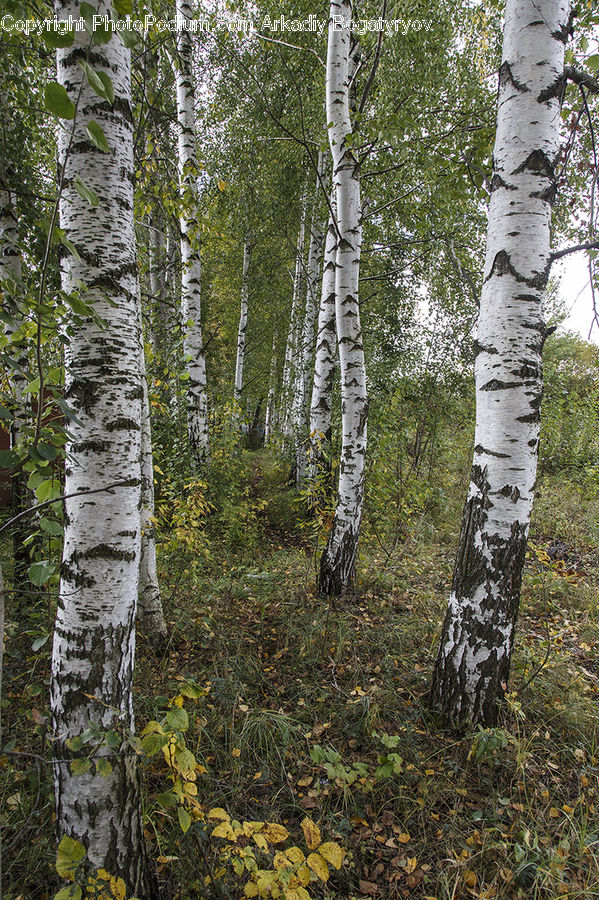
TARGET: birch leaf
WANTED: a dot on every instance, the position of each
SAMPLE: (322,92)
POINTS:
(318,866)
(184,819)
(275,833)
(69,855)
(311,833)
(97,136)
(57,101)
(333,853)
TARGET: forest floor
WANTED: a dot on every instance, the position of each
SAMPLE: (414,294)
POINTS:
(317,711)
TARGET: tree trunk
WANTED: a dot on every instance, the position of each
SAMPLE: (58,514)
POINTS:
(306,346)
(241,332)
(295,317)
(337,564)
(193,347)
(269,420)
(94,638)
(150,616)
(324,362)
(473,662)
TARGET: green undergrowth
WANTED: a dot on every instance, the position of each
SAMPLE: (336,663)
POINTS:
(317,711)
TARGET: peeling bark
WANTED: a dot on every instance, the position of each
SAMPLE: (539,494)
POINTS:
(473,661)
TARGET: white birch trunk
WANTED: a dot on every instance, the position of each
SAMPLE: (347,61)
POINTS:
(473,662)
(241,331)
(306,344)
(193,347)
(150,616)
(337,564)
(293,336)
(324,362)
(94,638)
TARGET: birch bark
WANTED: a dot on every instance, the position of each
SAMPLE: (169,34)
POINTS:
(269,419)
(324,362)
(94,638)
(193,347)
(150,616)
(293,336)
(337,564)
(473,661)
(241,331)
(306,343)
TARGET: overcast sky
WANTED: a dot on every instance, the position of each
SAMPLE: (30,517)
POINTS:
(576,293)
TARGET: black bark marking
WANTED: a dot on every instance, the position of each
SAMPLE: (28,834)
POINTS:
(506,77)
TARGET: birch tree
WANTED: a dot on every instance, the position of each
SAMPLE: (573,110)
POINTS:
(337,564)
(150,615)
(193,347)
(98,803)
(243,322)
(473,662)
(324,362)
(295,318)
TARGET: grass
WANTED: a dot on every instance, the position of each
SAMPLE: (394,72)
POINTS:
(320,709)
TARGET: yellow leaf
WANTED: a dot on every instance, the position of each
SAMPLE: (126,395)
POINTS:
(275,833)
(118,888)
(280,861)
(178,701)
(261,841)
(218,813)
(251,889)
(567,809)
(236,752)
(305,781)
(411,865)
(303,874)
(554,813)
(295,855)
(222,185)
(311,833)
(250,827)
(333,853)
(318,866)
(224,830)
(404,838)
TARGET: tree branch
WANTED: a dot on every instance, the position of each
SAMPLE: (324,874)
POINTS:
(590,245)
(582,78)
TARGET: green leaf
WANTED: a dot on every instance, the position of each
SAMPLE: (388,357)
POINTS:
(57,101)
(86,192)
(184,819)
(178,719)
(113,739)
(47,490)
(192,690)
(40,571)
(69,855)
(593,61)
(8,458)
(123,7)
(153,743)
(97,136)
(87,13)
(57,40)
(129,38)
(71,892)
(185,760)
(5,414)
(39,642)
(51,526)
(99,81)
(168,800)
(70,246)
(103,767)
(47,451)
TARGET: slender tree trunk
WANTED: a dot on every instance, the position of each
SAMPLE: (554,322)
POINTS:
(243,321)
(295,318)
(473,662)
(306,346)
(270,403)
(94,638)
(150,616)
(193,347)
(324,363)
(338,561)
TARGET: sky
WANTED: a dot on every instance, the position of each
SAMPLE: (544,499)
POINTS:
(575,291)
